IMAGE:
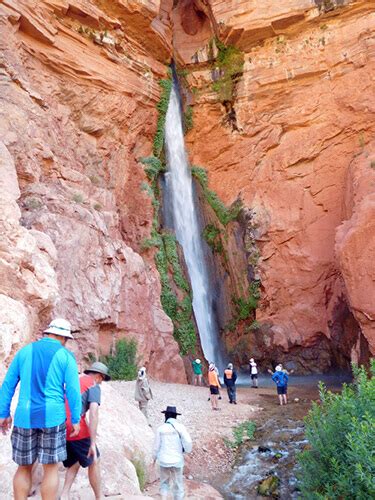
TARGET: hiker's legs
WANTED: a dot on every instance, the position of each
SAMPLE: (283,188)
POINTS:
(234,395)
(143,408)
(164,481)
(95,479)
(229,391)
(22,482)
(255,382)
(178,483)
(281,399)
(199,379)
(50,483)
(285,398)
(70,476)
(214,400)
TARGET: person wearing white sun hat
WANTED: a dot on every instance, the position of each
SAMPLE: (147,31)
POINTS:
(197,371)
(47,372)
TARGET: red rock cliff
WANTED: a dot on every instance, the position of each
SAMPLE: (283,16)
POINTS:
(78,90)
(300,114)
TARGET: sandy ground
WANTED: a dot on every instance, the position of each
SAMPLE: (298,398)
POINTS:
(211,461)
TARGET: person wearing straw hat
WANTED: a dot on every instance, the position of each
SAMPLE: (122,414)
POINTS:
(81,449)
(197,371)
(172,440)
(47,372)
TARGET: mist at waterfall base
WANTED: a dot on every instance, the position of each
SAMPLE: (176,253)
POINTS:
(181,215)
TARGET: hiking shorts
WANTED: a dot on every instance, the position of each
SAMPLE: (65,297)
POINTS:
(48,445)
(282,389)
(254,375)
(77,452)
(214,389)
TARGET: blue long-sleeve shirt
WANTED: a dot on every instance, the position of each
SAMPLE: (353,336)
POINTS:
(47,372)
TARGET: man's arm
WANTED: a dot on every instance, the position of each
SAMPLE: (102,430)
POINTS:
(7,392)
(186,439)
(156,445)
(73,392)
(93,428)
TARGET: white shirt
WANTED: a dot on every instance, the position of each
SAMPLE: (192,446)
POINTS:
(168,443)
(253,368)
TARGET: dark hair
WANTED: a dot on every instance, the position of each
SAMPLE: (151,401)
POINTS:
(170,415)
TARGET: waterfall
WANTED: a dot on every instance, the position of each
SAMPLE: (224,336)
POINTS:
(179,186)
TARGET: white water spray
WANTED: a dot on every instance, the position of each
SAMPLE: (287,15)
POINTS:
(185,221)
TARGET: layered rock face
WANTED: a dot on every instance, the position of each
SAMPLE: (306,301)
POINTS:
(78,89)
(287,142)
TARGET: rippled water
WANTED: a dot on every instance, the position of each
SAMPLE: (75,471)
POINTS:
(279,460)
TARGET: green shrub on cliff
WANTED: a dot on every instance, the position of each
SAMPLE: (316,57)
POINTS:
(224,214)
(122,363)
(162,107)
(229,61)
(340,460)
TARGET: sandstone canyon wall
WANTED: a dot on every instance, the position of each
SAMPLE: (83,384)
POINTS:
(78,92)
(288,143)
(79,85)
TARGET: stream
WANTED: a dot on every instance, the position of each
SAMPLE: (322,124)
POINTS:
(280,436)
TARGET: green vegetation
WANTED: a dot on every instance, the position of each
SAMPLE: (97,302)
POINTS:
(122,362)
(241,432)
(140,469)
(180,311)
(77,198)
(212,235)
(162,107)
(188,119)
(224,214)
(229,61)
(33,203)
(246,305)
(97,206)
(340,460)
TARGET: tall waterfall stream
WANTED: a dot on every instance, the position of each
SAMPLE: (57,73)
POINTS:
(180,192)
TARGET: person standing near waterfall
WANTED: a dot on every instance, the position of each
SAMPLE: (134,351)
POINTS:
(213,382)
(230,377)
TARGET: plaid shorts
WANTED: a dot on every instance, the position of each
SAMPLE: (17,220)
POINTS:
(46,445)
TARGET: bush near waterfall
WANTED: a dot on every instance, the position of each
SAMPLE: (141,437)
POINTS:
(122,363)
(340,459)
(224,214)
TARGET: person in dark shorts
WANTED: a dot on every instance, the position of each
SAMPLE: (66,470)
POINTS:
(81,449)
(253,373)
(230,377)
(213,382)
(280,378)
(47,372)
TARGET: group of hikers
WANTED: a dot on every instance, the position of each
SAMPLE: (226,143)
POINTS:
(279,376)
(50,424)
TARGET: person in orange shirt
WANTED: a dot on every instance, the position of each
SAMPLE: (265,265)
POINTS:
(213,382)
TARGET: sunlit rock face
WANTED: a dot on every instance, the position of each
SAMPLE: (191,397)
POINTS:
(300,114)
(79,88)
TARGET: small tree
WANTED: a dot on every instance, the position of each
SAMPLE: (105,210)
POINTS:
(340,460)
(122,363)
